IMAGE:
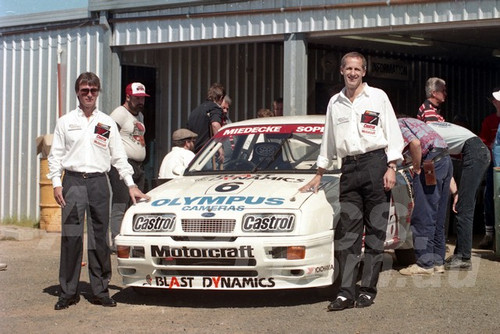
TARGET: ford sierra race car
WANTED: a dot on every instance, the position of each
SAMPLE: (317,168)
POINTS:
(236,219)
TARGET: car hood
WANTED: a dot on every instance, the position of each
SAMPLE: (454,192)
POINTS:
(228,192)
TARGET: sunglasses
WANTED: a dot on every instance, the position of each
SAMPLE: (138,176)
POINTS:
(86,91)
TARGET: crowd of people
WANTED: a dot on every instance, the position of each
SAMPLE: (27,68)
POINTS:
(361,129)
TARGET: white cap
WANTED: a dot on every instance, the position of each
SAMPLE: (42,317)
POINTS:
(496,95)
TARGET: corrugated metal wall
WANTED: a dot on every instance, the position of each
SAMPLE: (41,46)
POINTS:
(29,104)
(247,19)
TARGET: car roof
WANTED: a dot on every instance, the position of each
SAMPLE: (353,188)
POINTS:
(278,120)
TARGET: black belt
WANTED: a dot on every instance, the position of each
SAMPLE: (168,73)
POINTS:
(443,152)
(138,163)
(363,155)
(84,175)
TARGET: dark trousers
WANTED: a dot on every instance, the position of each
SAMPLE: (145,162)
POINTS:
(489,204)
(364,206)
(429,214)
(85,197)
(475,160)
(121,198)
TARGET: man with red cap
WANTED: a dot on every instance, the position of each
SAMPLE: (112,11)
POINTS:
(130,121)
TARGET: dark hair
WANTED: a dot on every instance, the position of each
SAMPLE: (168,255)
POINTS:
(216,92)
(87,78)
(179,143)
(353,55)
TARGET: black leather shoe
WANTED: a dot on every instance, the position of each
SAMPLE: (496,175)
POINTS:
(339,304)
(363,301)
(63,303)
(104,301)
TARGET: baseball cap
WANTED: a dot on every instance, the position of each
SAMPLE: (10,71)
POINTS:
(496,95)
(136,89)
(182,134)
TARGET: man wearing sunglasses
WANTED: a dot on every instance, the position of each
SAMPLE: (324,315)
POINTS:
(86,143)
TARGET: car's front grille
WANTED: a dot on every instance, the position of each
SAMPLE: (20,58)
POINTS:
(208,225)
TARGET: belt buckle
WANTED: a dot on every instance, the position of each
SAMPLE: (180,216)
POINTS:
(85,176)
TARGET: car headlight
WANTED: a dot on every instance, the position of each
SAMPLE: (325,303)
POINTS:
(268,222)
(154,222)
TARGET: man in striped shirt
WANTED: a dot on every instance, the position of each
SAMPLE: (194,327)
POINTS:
(435,91)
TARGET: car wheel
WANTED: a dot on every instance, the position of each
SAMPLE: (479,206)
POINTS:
(405,257)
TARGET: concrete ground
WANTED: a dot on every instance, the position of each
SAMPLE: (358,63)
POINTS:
(453,302)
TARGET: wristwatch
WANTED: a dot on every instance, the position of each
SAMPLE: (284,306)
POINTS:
(393,167)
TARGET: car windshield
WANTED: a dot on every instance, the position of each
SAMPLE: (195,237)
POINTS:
(285,148)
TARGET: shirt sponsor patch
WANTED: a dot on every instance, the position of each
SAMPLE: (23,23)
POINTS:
(101,141)
(102,130)
(370,117)
(73,127)
(102,135)
(342,120)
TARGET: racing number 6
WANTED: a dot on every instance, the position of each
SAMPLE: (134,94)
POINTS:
(226,187)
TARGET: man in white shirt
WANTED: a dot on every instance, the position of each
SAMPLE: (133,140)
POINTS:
(86,142)
(361,129)
(130,121)
(176,161)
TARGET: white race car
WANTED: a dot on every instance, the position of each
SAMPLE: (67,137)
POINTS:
(236,219)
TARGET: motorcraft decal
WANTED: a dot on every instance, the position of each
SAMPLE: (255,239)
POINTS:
(217,203)
(218,282)
(245,252)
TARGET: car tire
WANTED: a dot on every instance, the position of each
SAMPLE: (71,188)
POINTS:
(405,257)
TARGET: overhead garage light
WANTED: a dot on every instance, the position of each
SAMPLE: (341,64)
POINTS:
(496,53)
(395,39)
